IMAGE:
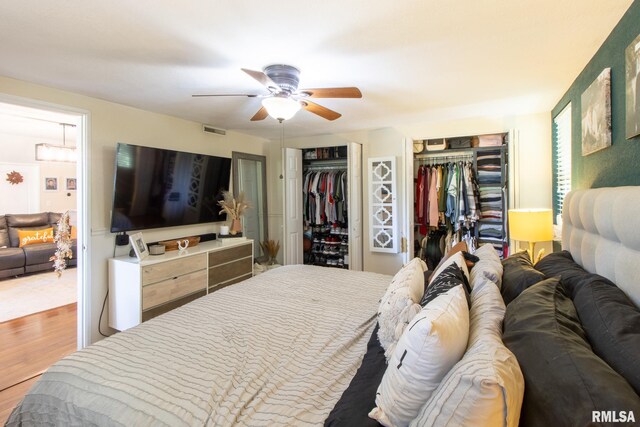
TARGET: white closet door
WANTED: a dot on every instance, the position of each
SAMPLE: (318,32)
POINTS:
(409,195)
(355,206)
(292,161)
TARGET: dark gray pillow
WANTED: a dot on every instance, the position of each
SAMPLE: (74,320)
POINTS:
(518,275)
(562,265)
(565,380)
(612,324)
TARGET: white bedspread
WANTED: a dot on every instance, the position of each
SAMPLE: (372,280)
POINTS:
(277,349)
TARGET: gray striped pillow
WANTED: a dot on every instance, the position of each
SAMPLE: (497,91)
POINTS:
(486,387)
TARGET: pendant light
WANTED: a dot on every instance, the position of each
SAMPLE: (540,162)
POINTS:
(57,153)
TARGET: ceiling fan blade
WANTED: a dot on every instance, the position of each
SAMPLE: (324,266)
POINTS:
(263,79)
(332,92)
(260,115)
(320,110)
(248,95)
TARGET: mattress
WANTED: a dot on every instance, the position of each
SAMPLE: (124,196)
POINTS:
(277,349)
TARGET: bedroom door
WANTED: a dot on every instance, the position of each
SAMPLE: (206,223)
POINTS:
(292,161)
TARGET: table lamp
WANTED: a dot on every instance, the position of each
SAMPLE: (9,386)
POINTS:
(531,225)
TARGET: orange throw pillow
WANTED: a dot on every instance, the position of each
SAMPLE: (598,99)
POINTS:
(29,237)
(74,232)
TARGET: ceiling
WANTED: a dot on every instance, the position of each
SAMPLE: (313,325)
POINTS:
(412,62)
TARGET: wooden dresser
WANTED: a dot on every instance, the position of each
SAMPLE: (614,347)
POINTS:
(139,291)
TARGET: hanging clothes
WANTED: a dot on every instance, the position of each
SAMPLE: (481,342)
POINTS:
(446,193)
(324,197)
(433,198)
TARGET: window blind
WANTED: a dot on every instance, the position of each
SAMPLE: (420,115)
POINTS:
(561,159)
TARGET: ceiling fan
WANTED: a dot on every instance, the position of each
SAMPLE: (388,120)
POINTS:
(284,99)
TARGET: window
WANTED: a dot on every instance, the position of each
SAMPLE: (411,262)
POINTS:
(561,160)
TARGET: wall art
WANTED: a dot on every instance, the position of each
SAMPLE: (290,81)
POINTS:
(596,114)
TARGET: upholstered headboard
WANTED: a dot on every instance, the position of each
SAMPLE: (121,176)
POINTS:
(601,229)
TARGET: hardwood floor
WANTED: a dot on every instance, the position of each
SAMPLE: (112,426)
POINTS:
(30,345)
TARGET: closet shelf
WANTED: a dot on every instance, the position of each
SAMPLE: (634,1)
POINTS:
(330,159)
(459,150)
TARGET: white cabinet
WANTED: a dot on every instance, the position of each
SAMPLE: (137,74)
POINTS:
(139,291)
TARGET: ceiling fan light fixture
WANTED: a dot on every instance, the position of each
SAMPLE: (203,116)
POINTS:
(281,108)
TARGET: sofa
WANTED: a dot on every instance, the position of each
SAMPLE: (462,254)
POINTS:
(16,260)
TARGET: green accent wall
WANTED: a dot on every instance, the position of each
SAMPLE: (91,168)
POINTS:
(619,164)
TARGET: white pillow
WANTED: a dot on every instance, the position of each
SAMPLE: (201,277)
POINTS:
(434,341)
(456,258)
(400,302)
(489,266)
(486,387)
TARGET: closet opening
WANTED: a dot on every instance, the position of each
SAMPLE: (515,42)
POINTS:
(461,195)
(323,206)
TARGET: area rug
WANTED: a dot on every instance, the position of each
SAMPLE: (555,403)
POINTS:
(38,292)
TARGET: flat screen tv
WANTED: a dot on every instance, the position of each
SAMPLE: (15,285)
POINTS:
(157,188)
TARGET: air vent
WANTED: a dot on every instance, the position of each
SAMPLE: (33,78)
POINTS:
(211,129)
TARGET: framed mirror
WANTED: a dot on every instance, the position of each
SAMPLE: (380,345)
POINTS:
(250,178)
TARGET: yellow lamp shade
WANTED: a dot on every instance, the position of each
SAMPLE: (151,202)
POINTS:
(531,225)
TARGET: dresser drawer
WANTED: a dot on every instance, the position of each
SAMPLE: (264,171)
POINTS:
(230,254)
(167,270)
(219,285)
(231,270)
(174,288)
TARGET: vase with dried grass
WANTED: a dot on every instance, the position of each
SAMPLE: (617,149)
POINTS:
(234,207)
(270,248)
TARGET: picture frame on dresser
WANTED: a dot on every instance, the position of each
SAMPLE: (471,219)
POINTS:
(139,246)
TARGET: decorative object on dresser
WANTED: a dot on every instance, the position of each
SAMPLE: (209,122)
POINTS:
(139,246)
(173,245)
(157,249)
(234,207)
(531,225)
(140,290)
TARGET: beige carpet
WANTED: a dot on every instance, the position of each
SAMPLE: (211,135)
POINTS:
(38,292)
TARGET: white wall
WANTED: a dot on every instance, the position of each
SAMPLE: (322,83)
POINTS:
(111,123)
(20,150)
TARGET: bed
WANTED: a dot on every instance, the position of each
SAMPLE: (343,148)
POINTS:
(303,345)
(217,360)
